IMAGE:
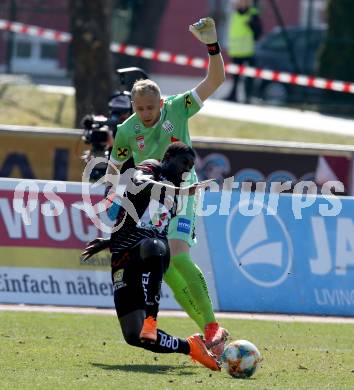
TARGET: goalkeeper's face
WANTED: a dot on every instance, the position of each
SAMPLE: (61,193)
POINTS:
(147,107)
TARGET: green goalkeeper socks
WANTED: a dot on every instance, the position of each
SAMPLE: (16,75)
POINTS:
(181,293)
(187,282)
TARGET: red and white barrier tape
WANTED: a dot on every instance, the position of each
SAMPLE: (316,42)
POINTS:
(180,59)
(35,31)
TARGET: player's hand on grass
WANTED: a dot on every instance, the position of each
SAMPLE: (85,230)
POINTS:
(204,30)
(93,247)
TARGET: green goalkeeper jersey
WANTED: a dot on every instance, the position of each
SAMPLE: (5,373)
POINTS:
(135,140)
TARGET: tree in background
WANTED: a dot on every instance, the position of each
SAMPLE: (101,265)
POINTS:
(336,57)
(143,29)
(90,23)
(91,27)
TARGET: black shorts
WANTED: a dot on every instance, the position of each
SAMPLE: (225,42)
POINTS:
(127,274)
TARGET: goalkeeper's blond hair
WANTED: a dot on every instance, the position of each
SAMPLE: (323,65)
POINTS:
(142,87)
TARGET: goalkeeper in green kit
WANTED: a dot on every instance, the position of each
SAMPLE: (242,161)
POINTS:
(155,124)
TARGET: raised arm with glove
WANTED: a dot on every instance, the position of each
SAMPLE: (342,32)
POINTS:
(204,30)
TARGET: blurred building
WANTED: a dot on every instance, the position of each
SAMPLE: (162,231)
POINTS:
(21,53)
(35,55)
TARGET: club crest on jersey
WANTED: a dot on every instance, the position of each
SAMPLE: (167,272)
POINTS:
(168,127)
(188,101)
(140,142)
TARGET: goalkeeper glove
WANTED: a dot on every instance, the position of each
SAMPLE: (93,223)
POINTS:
(204,30)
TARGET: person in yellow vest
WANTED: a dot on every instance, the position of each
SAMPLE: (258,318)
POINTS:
(244,30)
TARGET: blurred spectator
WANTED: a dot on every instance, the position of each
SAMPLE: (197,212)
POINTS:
(214,166)
(244,29)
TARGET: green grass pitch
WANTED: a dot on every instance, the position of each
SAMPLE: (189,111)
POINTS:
(71,351)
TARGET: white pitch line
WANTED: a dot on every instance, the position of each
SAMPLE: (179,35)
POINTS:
(177,313)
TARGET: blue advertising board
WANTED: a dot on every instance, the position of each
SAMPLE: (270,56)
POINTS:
(283,254)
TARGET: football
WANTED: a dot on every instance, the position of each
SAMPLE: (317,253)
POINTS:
(241,358)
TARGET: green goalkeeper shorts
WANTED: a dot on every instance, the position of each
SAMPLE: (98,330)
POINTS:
(182,226)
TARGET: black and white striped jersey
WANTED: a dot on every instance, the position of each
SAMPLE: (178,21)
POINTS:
(145,210)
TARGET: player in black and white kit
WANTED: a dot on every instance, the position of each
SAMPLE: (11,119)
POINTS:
(140,253)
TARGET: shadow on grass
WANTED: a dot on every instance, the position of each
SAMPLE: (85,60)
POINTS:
(147,368)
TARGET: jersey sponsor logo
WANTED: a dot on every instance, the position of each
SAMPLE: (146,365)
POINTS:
(168,127)
(156,216)
(118,279)
(168,341)
(188,101)
(184,225)
(140,142)
(145,282)
(122,153)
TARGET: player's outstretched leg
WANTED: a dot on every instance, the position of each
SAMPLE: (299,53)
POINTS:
(215,336)
(182,295)
(194,280)
(193,346)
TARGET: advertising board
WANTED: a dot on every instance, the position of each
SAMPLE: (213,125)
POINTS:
(43,229)
(283,254)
